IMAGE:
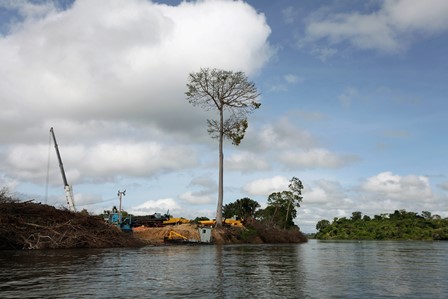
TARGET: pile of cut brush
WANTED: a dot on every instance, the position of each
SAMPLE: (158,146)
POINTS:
(28,225)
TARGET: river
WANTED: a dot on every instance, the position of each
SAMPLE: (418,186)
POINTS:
(317,269)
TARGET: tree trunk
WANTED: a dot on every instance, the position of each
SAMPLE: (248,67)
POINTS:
(287,213)
(221,170)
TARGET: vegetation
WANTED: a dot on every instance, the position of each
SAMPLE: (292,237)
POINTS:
(233,97)
(279,213)
(281,209)
(274,224)
(243,208)
(400,225)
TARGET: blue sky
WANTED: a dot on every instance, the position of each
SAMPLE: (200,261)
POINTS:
(353,98)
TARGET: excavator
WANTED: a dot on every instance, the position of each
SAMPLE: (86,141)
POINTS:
(67,188)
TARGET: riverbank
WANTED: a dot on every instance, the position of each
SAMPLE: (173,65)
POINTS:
(255,233)
(29,225)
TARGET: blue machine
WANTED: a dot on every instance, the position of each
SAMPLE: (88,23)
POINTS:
(116,219)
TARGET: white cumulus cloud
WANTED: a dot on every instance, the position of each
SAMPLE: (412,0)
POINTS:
(406,188)
(111,79)
(391,28)
(267,186)
(156,206)
(316,158)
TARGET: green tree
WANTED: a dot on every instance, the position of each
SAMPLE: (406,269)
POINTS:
(280,211)
(282,206)
(233,97)
(400,225)
(243,208)
(426,215)
(295,186)
(356,215)
(229,210)
(322,224)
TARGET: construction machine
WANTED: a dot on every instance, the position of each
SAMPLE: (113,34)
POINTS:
(227,222)
(176,238)
(115,217)
(67,188)
(173,221)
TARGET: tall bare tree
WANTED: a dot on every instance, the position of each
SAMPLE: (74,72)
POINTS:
(233,97)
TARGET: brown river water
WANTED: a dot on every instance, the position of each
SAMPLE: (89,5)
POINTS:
(317,269)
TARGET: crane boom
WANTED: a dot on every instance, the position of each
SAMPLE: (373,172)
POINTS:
(68,189)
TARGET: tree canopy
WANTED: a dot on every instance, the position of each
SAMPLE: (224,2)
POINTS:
(281,209)
(399,225)
(243,208)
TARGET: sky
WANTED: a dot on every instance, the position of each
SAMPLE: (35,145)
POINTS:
(353,103)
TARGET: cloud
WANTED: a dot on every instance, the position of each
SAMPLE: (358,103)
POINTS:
(197,197)
(323,53)
(316,158)
(282,134)
(156,206)
(390,29)
(346,98)
(282,84)
(100,162)
(444,185)
(267,186)
(206,193)
(28,10)
(292,79)
(324,192)
(405,188)
(111,80)
(285,143)
(246,162)
(138,159)
(289,15)
(122,61)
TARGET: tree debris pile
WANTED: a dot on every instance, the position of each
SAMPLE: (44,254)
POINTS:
(27,225)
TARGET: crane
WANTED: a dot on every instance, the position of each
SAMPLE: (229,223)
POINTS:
(67,188)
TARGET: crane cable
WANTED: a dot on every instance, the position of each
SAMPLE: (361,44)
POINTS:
(48,169)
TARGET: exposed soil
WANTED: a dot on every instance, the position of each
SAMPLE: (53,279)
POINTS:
(28,225)
(156,235)
(256,233)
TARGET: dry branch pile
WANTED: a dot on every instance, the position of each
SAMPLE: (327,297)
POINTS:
(27,225)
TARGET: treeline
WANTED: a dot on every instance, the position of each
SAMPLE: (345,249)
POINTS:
(279,213)
(400,225)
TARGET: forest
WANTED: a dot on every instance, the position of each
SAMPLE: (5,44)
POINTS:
(399,225)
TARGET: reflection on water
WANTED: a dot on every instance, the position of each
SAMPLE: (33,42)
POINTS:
(312,270)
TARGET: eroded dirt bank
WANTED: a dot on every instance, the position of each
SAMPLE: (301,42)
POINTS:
(253,234)
(28,225)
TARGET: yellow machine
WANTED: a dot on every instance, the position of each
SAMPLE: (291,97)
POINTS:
(228,222)
(176,238)
(173,235)
(233,222)
(173,221)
